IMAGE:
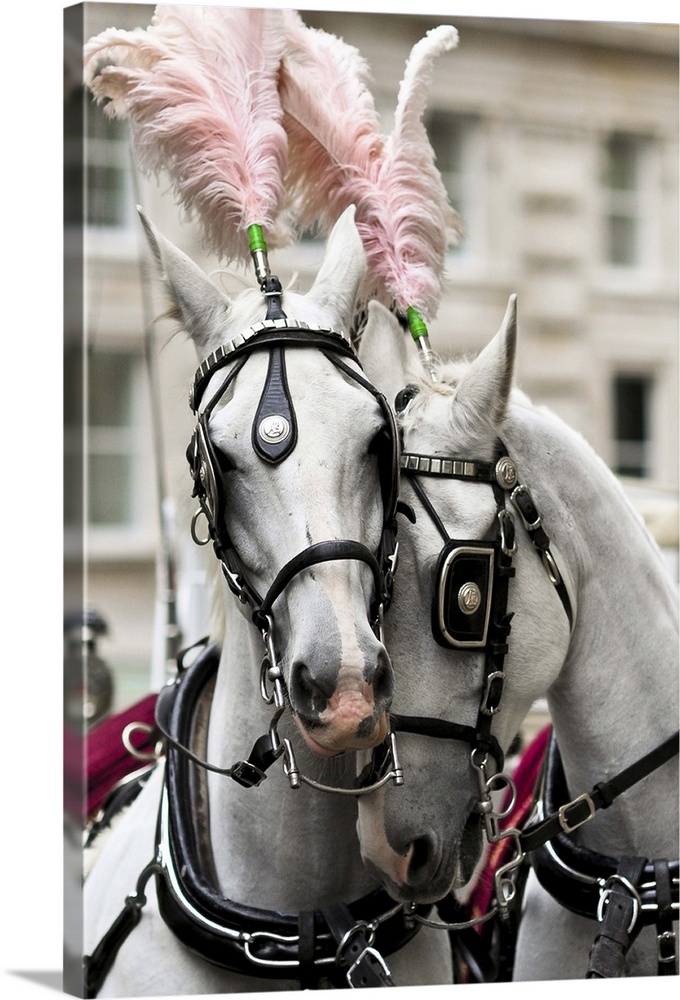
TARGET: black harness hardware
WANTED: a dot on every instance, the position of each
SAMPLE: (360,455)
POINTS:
(274,433)
(471,578)
(461,608)
(619,920)
(470,586)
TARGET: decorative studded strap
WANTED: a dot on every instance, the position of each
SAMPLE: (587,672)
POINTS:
(451,468)
(292,332)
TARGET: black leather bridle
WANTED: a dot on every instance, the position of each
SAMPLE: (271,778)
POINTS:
(469,611)
(470,588)
(208,469)
(338,945)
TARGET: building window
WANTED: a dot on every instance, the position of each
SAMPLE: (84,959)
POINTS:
(628,194)
(106,451)
(455,139)
(108,195)
(632,400)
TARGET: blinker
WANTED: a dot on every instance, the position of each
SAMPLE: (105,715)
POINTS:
(461,606)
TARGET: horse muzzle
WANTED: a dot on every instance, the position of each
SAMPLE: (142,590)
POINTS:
(345,727)
(423,862)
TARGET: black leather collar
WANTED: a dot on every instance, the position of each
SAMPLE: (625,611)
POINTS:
(229,934)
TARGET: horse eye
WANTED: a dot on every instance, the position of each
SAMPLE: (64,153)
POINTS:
(404,397)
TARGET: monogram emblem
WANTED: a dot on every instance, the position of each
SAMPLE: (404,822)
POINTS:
(469,598)
(506,473)
(274,428)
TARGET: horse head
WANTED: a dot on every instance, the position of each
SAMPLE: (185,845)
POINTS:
(426,838)
(293,461)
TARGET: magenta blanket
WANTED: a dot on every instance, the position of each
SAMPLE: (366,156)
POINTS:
(93,765)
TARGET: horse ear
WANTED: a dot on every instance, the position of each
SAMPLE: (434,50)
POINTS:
(336,286)
(484,390)
(387,353)
(200,307)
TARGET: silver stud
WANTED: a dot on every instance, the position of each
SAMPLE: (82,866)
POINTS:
(506,473)
(469,598)
(274,428)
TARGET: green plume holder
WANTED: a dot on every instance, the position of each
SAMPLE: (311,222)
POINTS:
(418,329)
(258,251)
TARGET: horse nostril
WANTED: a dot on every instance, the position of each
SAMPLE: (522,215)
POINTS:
(383,681)
(420,855)
(307,690)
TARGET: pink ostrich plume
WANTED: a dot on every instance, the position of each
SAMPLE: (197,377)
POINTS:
(200,88)
(330,117)
(338,156)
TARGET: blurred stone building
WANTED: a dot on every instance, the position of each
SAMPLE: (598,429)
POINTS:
(558,142)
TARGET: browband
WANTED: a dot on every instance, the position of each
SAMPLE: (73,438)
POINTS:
(264,334)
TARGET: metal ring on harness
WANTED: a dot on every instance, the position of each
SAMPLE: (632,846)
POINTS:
(605,893)
(194,535)
(143,727)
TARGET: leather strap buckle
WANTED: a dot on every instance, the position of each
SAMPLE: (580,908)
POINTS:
(636,903)
(247,774)
(379,974)
(568,823)
(368,967)
(493,692)
(666,950)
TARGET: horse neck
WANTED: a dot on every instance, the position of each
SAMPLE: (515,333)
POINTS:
(273,846)
(616,696)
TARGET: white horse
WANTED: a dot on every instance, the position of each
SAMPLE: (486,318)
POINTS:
(595,630)
(294,462)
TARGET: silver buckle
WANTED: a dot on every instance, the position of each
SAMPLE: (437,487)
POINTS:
(605,892)
(562,813)
(368,950)
(485,709)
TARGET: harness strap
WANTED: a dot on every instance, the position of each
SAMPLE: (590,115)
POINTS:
(262,335)
(619,922)
(582,809)
(307,972)
(441,729)
(97,966)
(524,502)
(667,956)
(429,507)
(319,552)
